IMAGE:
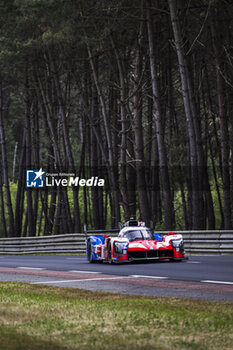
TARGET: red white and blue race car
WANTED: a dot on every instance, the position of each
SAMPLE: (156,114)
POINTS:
(134,242)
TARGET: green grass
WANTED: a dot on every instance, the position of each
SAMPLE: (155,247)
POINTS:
(34,317)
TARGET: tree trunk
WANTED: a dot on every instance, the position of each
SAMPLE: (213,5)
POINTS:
(138,135)
(3,217)
(68,150)
(106,124)
(95,159)
(224,136)
(30,209)
(123,133)
(36,153)
(19,205)
(217,147)
(195,197)
(165,181)
(5,168)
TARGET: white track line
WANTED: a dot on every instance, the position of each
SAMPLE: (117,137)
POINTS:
(217,282)
(87,272)
(30,268)
(82,280)
(108,278)
(153,277)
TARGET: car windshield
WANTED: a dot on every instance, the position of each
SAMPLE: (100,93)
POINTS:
(138,235)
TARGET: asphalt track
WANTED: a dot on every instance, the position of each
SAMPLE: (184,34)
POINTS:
(200,277)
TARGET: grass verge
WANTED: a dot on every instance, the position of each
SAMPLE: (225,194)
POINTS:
(34,317)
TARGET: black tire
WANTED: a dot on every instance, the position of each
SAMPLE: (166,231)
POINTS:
(89,253)
(110,253)
(175,260)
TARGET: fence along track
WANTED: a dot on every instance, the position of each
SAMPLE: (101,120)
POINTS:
(195,242)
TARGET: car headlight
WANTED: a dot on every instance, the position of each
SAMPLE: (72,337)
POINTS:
(120,248)
(178,244)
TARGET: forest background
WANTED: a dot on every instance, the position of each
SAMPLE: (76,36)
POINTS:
(139,93)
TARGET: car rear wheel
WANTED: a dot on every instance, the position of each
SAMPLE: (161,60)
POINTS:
(89,253)
(110,253)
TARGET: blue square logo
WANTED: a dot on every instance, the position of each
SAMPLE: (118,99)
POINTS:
(35,178)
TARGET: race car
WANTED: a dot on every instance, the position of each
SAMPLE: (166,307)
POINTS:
(134,242)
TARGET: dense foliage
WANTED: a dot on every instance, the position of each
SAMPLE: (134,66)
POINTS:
(138,93)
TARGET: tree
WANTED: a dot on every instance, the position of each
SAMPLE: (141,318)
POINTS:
(166,190)
(5,169)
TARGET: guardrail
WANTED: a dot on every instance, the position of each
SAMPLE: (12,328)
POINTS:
(195,242)
(55,244)
(207,242)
